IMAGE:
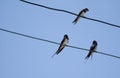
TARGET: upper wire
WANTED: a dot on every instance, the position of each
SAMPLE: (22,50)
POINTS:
(70,13)
(28,36)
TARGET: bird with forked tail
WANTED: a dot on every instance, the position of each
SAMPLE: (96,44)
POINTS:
(82,13)
(92,49)
(62,45)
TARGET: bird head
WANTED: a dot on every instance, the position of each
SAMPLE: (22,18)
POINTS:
(95,42)
(86,9)
(66,36)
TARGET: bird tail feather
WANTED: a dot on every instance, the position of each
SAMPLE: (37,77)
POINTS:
(88,56)
(53,55)
(74,22)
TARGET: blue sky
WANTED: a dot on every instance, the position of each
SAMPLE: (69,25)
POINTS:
(22,57)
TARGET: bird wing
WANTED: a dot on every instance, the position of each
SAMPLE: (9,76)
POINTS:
(92,49)
(62,45)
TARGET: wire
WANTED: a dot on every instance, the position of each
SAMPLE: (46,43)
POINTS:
(28,36)
(71,13)
(48,7)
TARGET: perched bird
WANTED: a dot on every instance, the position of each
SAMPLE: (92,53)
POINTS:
(92,49)
(62,44)
(82,13)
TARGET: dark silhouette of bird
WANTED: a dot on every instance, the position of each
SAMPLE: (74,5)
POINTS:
(62,44)
(92,49)
(82,13)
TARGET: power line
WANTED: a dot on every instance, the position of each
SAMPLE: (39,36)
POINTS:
(28,36)
(70,13)
(48,7)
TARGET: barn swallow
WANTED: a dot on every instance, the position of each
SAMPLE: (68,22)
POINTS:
(62,44)
(82,13)
(92,49)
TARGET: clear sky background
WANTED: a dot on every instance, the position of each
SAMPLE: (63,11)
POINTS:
(22,57)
